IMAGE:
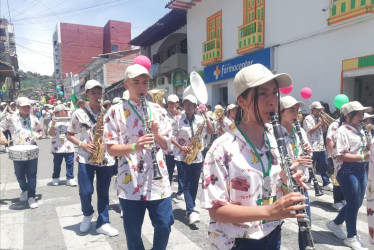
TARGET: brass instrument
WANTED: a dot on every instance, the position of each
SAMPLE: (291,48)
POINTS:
(369,127)
(327,119)
(195,145)
(218,112)
(97,157)
(157,95)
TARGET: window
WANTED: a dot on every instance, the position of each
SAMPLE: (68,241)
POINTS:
(156,58)
(184,46)
(214,26)
(114,48)
(171,50)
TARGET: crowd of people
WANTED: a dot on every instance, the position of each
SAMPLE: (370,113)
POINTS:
(245,181)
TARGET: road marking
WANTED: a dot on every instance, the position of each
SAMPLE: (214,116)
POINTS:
(70,218)
(12,225)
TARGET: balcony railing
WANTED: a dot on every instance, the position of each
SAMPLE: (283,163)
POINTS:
(251,36)
(342,10)
(212,51)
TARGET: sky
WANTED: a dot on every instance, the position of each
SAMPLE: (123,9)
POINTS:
(35,21)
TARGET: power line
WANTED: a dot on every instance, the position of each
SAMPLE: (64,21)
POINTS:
(10,20)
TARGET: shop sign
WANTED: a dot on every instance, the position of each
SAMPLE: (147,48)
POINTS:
(178,79)
(229,68)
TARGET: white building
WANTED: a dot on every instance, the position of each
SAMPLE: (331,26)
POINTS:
(324,45)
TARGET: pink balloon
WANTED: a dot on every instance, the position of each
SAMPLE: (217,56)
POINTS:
(286,90)
(144,61)
(306,93)
(201,106)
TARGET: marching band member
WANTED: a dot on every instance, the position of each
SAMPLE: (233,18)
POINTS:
(231,112)
(25,128)
(125,136)
(185,129)
(242,186)
(61,148)
(222,123)
(370,193)
(352,156)
(47,117)
(313,126)
(368,124)
(83,122)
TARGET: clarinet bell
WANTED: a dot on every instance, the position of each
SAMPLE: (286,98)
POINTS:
(156,173)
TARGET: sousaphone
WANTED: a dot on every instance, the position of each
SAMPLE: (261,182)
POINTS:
(197,88)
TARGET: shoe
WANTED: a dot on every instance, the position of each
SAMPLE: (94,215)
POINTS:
(193,218)
(337,230)
(7,149)
(107,230)
(328,187)
(85,224)
(354,243)
(32,202)
(71,182)
(344,202)
(361,243)
(121,213)
(338,206)
(180,197)
(55,181)
(23,196)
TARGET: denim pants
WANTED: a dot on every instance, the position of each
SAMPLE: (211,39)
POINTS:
(270,242)
(320,158)
(170,163)
(86,173)
(352,179)
(190,176)
(26,170)
(161,215)
(301,243)
(57,161)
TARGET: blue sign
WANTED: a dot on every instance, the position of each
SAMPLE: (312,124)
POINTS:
(228,69)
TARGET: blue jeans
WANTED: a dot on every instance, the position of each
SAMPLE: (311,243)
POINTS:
(270,242)
(57,161)
(170,163)
(26,170)
(86,173)
(190,176)
(161,215)
(320,158)
(352,180)
(301,243)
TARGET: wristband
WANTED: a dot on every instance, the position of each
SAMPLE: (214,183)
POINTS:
(133,147)
(284,186)
(80,143)
(363,157)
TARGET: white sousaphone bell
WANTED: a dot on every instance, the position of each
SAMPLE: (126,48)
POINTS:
(197,88)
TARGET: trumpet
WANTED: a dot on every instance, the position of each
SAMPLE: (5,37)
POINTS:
(218,112)
(327,119)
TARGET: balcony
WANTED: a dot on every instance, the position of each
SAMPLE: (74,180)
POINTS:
(251,36)
(342,10)
(175,61)
(212,51)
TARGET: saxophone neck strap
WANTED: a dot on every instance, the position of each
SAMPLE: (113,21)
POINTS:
(191,124)
(93,120)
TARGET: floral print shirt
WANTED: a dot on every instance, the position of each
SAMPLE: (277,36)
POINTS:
(81,123)
(173,120)
(331,134)
(183,135)
(233,174)
(223,126)
(370,194)
(135,171)
(316,138)
(24,131)
(59,142)
(349,140)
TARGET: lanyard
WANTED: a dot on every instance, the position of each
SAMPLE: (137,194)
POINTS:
(149,110)
(27,120)
(295,141)
(191,124)
(258,156)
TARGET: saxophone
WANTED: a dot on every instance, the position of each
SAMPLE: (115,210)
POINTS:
(97,157)
(195,145)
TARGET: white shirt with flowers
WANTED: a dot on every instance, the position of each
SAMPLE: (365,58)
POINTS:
(24,131)
(135,171)
(331,134)
(59,142)
(370,194)
(233,174)
(223,126)
(81,123)
(315,139)
(173,120)
(183,134)
(349,140)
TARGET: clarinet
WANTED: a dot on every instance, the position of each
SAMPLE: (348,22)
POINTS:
(317,189)
(156,170)
(303,223)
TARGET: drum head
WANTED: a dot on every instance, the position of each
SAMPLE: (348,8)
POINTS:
(22,147)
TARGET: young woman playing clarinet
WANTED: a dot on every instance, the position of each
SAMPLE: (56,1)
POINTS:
(243,185)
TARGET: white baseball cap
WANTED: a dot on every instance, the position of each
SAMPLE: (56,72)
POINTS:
(23,101)
(135,70)
(173,98)
(288,101)
(3,103)
(116,100)
(60,107)
(256,75)
(354,106)
(191,98)
(58,102)
(12,103)
(316,105)
(90,84)
(230,107)
(366,116)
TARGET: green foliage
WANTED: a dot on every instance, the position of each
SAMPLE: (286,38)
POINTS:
(34,83)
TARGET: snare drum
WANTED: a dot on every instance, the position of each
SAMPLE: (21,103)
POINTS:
(23,152)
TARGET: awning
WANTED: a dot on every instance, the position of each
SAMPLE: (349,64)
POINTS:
(7,70)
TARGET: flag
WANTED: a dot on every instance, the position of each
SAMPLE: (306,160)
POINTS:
(43,101)
(74,100)
(3,89)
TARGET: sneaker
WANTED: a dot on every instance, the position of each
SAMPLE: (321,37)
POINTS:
(328,187)
(193,218)
(71,182)
(337,230)
(23,196)
(361,243)
(338,206)
(180,197)
(107,230)
(55,181)
(85,224)
(354,243)
(344,202)
(32,202)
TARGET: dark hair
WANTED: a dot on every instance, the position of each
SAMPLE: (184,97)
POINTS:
(343,118)
(326,107)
